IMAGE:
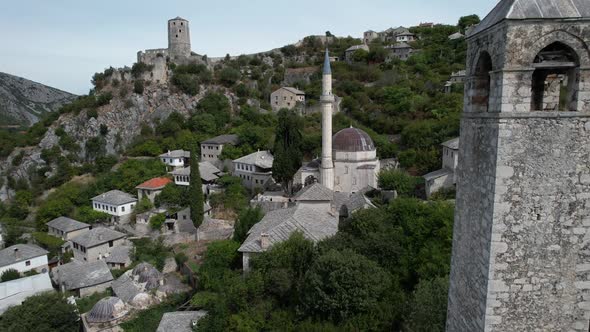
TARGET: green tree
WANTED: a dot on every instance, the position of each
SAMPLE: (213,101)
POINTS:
(10,274)
(44,312)
(287,148)
(143,205)
(341,284)
(428,307)
(195,193)
(229,76)
(157,221)
(246,220)
(466,21)
(400,181)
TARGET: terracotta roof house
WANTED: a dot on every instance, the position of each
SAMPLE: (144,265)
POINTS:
(152,188)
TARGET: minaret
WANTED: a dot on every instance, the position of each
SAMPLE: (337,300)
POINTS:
(327,99)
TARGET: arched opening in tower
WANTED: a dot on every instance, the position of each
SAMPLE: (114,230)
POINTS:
(555,79)
(480,99)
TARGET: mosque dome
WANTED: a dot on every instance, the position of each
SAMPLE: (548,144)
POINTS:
(145,272)
(352,140)
(106,310)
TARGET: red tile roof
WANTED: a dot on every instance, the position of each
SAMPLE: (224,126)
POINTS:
(155,183)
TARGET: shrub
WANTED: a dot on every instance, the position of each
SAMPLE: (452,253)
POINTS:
(157,221)
(10,274)
(138,87)
(139,68)
(228,76)
(92,113)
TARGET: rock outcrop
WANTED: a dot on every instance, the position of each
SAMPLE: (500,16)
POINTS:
(23,102)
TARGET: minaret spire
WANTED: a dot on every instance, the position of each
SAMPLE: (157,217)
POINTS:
(327,100)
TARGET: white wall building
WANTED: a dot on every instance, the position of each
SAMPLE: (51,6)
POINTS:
(446,177)
(96,244)
(175,159)
(255,169)
(116,203)
(24,258)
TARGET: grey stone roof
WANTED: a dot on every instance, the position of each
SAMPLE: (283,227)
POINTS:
(66,224)
(313,222)
(97,236)
(293,90)
(314,192)
(327,68)
(124,288)
(115,197)
(20,252)
(452,143)
(437,174)
(223,139)
(262,159)
(180,321)
(456,35)
(78,275)
(176,154)
(359,201)
(357,47)
(119,254)
(106,310)
(533,9)
(206,169)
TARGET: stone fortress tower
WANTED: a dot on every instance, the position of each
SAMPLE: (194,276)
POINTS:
(178,51)
(179,39)
(327,101)
(521,242)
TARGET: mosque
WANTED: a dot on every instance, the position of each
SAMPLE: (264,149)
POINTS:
(349,160)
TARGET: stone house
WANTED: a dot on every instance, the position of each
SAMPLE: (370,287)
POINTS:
(286,97)
(400,51)
(152,188)
(255,169)
(405,37)
(313,216)
(116,203)
(175,159)
(212,148)
(96,244)
(369,36)
(120,257)
(349,53)
(83,278)
(446,176)
(209,175)
(24,258)
(66,228)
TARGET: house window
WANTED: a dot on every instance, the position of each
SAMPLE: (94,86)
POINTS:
(110,244)
(345,169)
(28,263)
(122,209)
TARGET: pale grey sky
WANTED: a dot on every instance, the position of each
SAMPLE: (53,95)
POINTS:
(62,43)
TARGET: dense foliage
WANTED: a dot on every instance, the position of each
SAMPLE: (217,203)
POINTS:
(44,312)
(384,270)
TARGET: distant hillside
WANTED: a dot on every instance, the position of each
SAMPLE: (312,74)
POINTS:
(23,102)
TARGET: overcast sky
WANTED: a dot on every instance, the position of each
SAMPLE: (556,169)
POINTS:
(62,43)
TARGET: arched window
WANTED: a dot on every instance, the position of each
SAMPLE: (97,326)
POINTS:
(480,97)
(554,85)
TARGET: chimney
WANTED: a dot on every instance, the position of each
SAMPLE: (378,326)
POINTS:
(264,241)
(16,253)
(100,237)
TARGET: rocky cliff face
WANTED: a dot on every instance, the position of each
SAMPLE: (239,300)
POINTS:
(22,101)
(123,116)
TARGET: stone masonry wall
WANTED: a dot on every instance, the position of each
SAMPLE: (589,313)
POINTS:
(473,225)
(539,256)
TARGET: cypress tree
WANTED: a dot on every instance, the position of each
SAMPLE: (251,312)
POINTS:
(195,192)
(287,149)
